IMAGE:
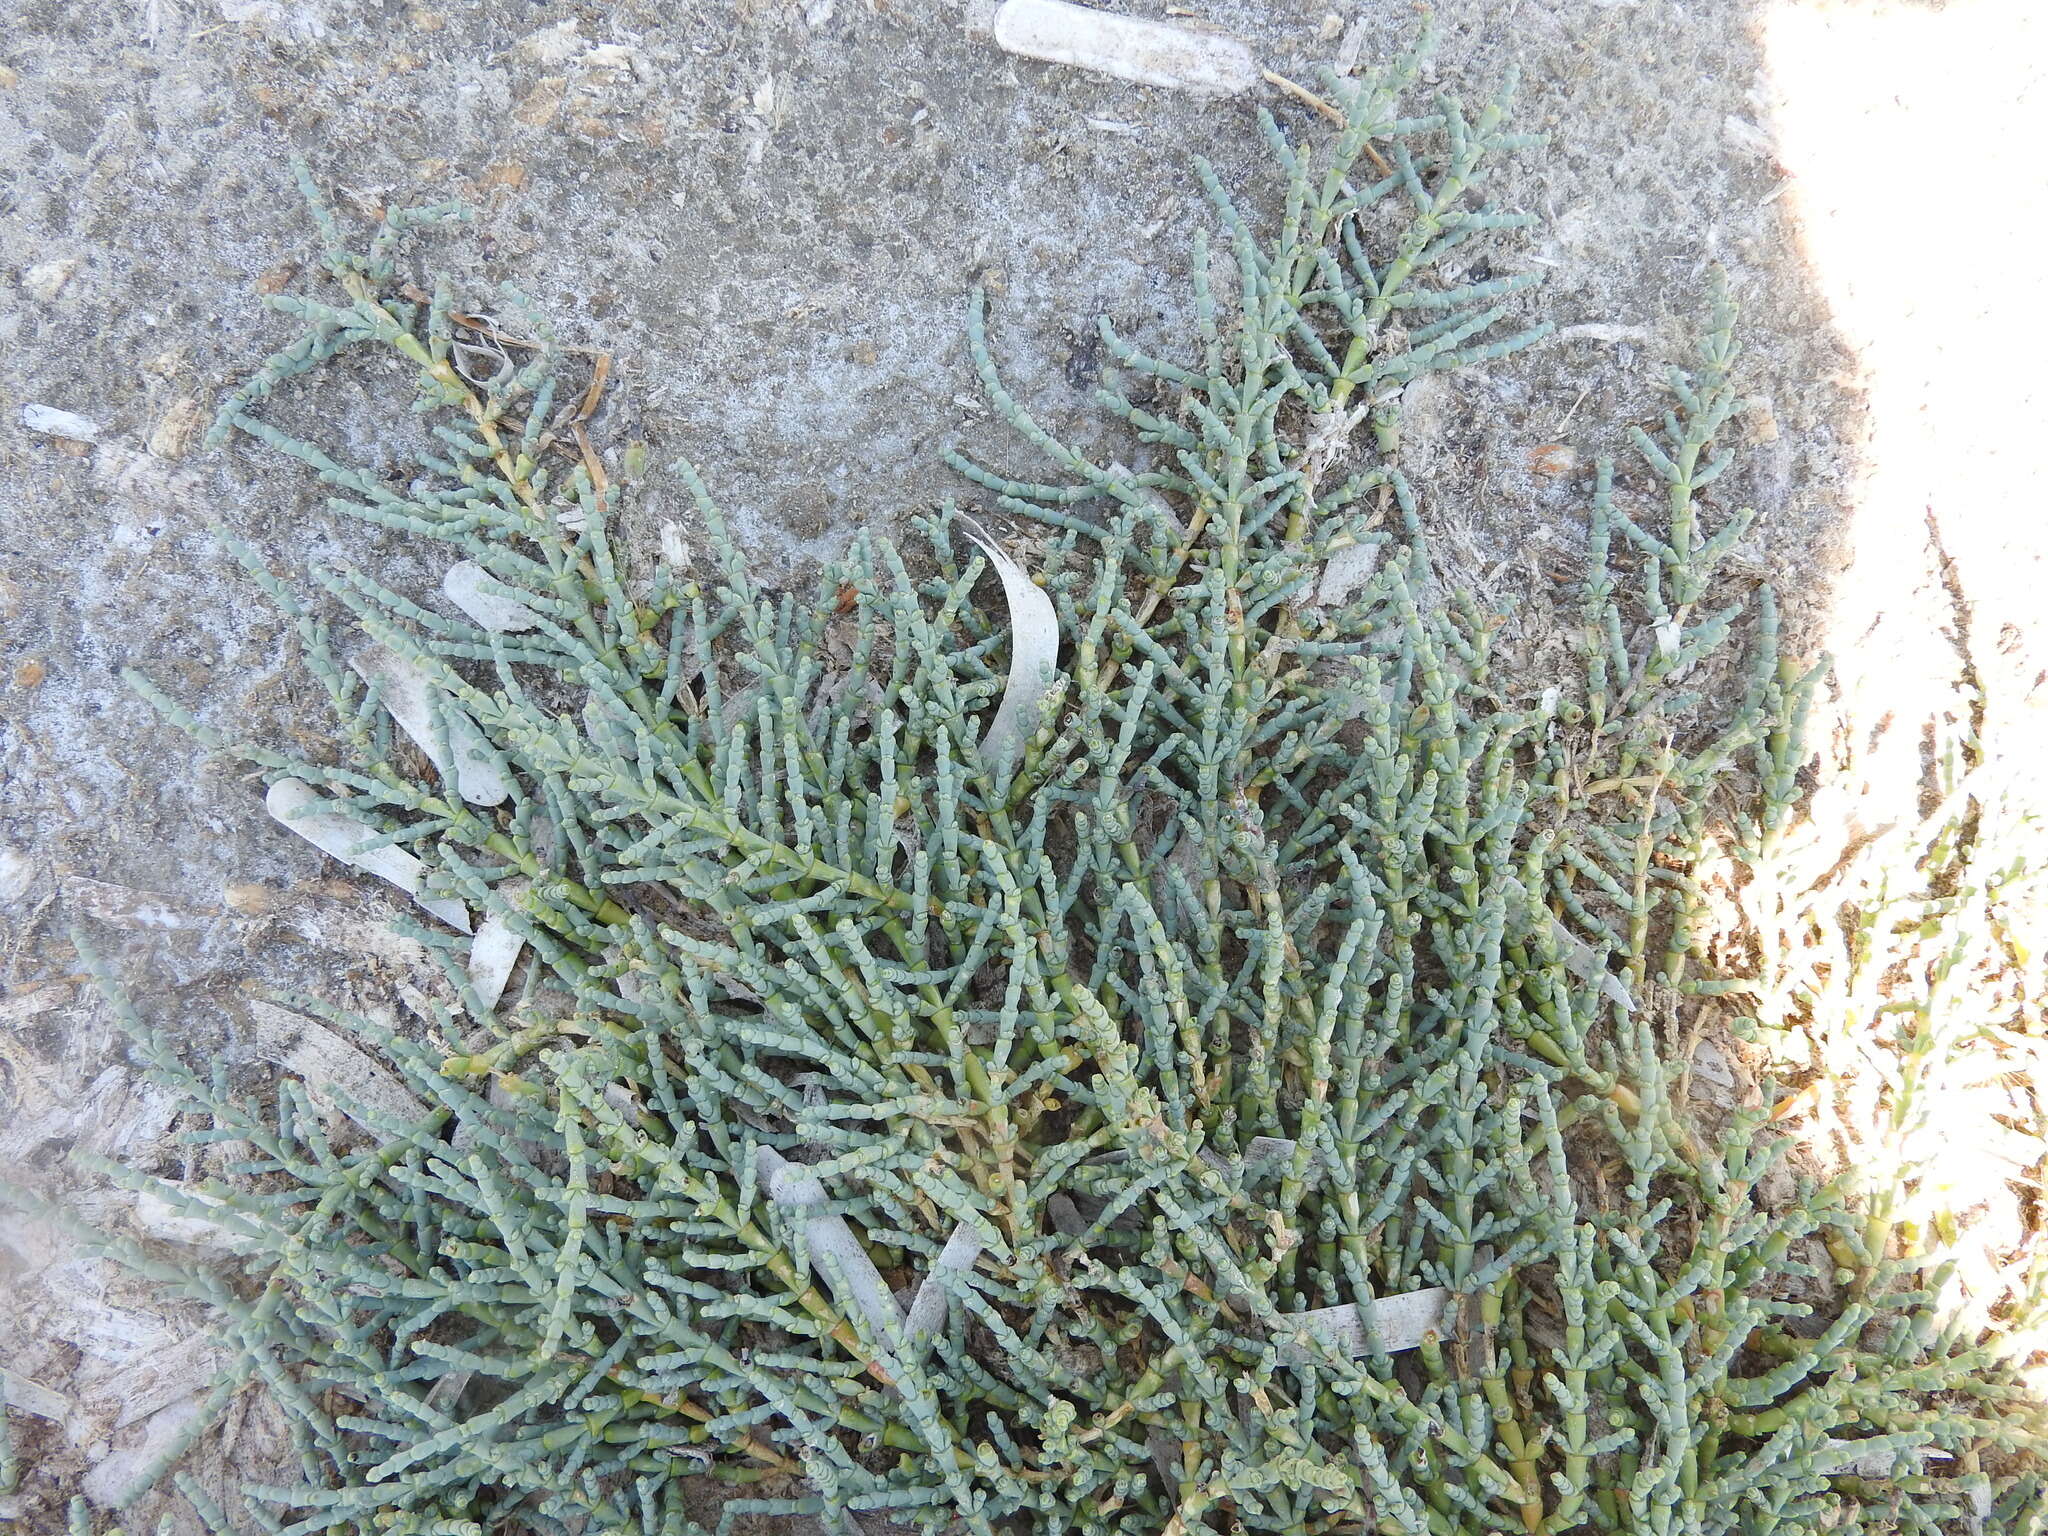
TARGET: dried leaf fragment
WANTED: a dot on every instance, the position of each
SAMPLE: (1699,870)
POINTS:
(33,1397)
(1034,654)
(297,805)
(1398,1322)
(52,422)
(1345,572)
(469,587)
(311,1050)
(413,700)
(836,1254)
(495,951)
(17,1008)
(251,898)
(1579,957)
(928,1307)
(179,429)
(1128,47)
(540,104)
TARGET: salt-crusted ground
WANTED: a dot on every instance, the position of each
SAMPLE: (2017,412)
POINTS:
(769,213)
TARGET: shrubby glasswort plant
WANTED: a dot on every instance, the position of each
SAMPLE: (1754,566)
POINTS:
(1028,1131)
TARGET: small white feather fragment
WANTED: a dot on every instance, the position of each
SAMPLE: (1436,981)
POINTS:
(1399,1321)
(310,1050)
(410,697)
(1748,137)
(469,587)
(161,1218)
(494,951)
(1034,654)
(836,1254)
(928,1307)
(1128,47)
(295,804)
(447,1388)
(68,424)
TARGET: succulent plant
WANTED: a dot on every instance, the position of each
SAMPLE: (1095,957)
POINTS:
(1170,1039)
